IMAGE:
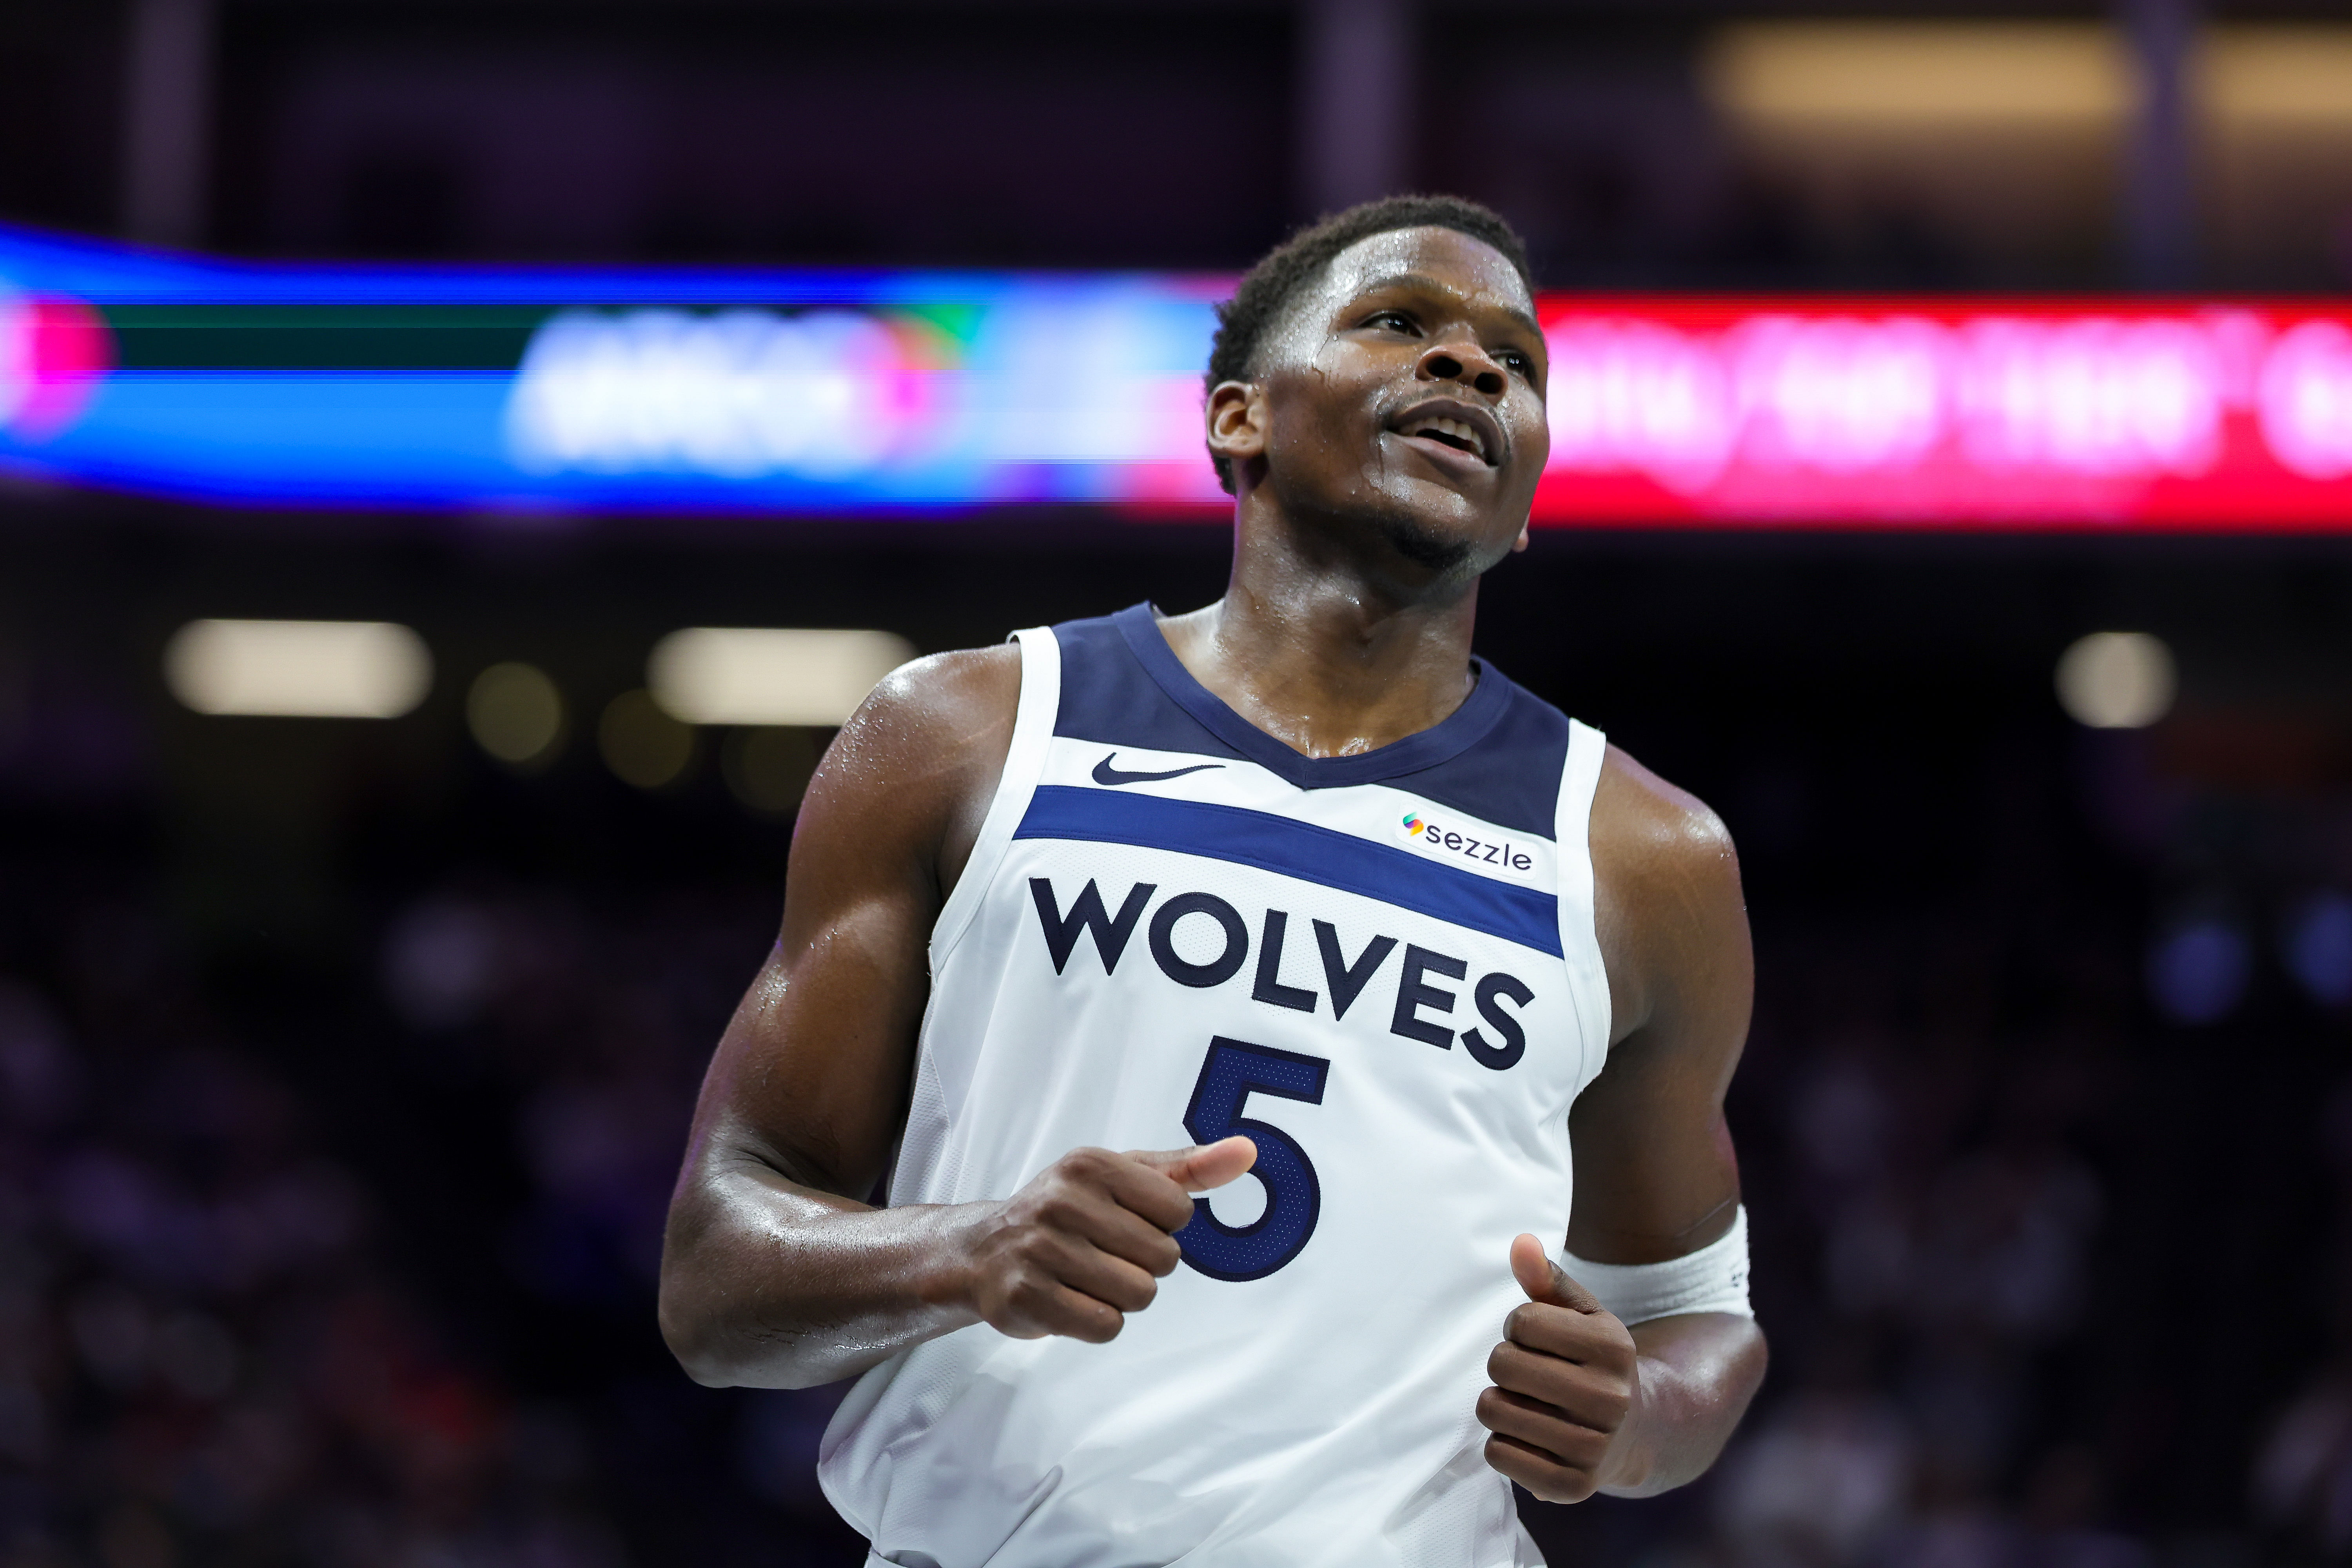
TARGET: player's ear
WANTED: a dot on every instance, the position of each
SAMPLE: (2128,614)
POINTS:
(1236,416)
(1521,542)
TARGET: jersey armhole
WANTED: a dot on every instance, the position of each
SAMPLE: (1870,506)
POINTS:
(1024,761)
(1579,936)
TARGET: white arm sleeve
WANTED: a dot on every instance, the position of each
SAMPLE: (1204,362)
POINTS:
(1712,1280)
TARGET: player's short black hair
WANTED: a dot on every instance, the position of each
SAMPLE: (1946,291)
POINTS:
(1282,273)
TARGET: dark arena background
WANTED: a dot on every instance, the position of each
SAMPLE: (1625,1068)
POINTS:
(345,1061)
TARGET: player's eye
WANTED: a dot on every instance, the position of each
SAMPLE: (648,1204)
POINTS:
(1521,364)
(1396,320)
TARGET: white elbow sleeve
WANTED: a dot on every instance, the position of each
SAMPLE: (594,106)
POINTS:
(1712,1280)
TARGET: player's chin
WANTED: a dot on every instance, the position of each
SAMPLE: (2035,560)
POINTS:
(1444,531)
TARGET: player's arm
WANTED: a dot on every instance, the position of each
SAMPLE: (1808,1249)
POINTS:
(1581,1404)
(775,1272)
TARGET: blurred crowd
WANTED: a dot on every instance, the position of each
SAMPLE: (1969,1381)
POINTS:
(200,1339)
(1933,1229)
(352,1262)
(322,1289)
(207,1353)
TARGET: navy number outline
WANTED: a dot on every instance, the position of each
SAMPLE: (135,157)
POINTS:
(1233,1070)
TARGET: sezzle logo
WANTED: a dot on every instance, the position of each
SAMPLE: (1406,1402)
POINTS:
(1468,846)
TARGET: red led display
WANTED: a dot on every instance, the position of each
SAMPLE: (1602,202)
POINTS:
(2011,413)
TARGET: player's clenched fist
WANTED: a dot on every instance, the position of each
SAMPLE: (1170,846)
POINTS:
(1565,1379)
(1089,1239)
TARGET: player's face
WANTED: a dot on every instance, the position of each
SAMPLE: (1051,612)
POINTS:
(1408,392)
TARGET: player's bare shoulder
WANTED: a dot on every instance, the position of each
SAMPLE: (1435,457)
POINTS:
(1666,890)
(938,714)
(918,761)
(1653,835)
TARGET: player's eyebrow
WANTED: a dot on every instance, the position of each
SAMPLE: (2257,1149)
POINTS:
(1422,281)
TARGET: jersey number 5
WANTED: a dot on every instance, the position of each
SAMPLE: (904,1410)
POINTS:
(1235,1071)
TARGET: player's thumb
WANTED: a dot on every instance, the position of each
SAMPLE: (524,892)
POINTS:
(1204,1166)
(1547,1281)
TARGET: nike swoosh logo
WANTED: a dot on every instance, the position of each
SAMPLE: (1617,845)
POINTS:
(1107,775)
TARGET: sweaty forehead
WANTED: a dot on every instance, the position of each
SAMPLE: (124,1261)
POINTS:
(1465,265)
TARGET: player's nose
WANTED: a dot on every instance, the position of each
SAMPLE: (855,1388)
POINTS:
(1462,360)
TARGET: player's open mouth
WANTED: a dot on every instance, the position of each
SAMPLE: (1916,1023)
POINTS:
(1453,426)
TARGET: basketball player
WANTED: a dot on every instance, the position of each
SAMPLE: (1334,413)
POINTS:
(1366,957)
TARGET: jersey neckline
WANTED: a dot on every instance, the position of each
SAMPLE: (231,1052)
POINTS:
(1139,624)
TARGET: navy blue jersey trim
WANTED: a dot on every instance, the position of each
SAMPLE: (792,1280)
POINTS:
(1498,757)
(1511,778)
(1299,849)
(1459,730)
(1107,695)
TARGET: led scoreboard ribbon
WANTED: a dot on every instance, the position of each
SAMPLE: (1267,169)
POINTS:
(820,392)
(843,393)
(1987,412)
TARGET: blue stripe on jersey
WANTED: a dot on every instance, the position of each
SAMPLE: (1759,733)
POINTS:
(1297,849)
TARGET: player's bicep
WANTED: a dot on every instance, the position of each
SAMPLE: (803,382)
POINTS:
(1656,1176)
(811,1077)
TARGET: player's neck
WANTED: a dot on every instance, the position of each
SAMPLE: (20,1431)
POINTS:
(1325,659)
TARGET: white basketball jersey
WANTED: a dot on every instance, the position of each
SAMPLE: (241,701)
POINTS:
(1382,969)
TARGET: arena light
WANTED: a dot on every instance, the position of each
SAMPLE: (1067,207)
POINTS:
(2117,681)
(642,745)
(2279,77)
(299,669)
(1922,75)
(516,712)
(721,675)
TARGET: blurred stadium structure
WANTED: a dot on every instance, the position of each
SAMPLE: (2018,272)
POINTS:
(1702,143)
(343,1059)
